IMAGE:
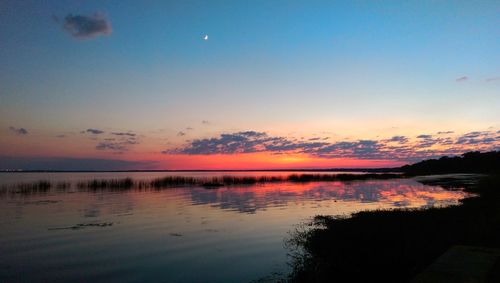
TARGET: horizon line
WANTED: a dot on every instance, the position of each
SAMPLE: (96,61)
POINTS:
(204,170)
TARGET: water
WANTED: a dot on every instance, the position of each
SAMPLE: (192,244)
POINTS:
(189,234)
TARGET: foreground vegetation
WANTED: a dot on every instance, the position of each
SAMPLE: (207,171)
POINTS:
(394,245)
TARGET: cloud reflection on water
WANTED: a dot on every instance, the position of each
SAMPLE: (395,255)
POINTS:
(388,193)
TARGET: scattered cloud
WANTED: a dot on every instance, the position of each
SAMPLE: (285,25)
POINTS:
(181,134)
(86,27)
(117,142)
(398,139)
(18,131)
(94,131)
(124,134)
(492,79)
(110,145)
(462,79)
(476,138)
(445,132)
(117,145)
(400,148)
(424,136)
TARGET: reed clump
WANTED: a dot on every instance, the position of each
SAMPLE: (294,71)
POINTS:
(34,187)
(99,184)
(171,181)
(63,186)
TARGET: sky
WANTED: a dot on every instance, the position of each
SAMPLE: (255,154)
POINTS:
(111,85)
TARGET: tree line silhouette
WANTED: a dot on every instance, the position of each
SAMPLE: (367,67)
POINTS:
(470,162)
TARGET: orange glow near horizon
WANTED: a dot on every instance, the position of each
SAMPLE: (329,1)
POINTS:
(139,152)
(255,161)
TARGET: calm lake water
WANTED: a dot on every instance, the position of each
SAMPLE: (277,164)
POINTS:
(187,234)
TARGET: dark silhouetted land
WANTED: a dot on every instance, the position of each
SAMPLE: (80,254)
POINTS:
(470,162)
(395,245)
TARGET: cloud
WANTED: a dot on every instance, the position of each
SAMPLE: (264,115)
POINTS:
(426,142)
(227,143)
(205,122)
(240,142)
(189,129)
(61,136)
(18,131)
(475,134)
(252,141)
(462,79)
(362,149)
(94,131)
(445,132)
(399,139)
(492,79)
(424,136)
(110,145)
(120,144)
(477,138)
(123,134)
(400,148)
(180,134)
(86,27)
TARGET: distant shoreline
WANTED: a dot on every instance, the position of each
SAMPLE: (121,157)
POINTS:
(397,169)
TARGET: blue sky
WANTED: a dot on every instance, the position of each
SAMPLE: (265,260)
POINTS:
(357,69)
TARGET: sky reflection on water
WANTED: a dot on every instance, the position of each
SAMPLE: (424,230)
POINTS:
(230,234)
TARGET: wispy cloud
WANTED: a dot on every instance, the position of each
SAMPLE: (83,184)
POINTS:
(94,131)
(398,139)
(462,79)
(493,79)
(445,132)
(18,131)
(424,136)
(110,145)
(181,133)
(86,27)
(123,134)
(117,145)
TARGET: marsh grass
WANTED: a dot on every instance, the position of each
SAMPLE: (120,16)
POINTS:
(63,186)
(180,181)
(41,186)
(100,184)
